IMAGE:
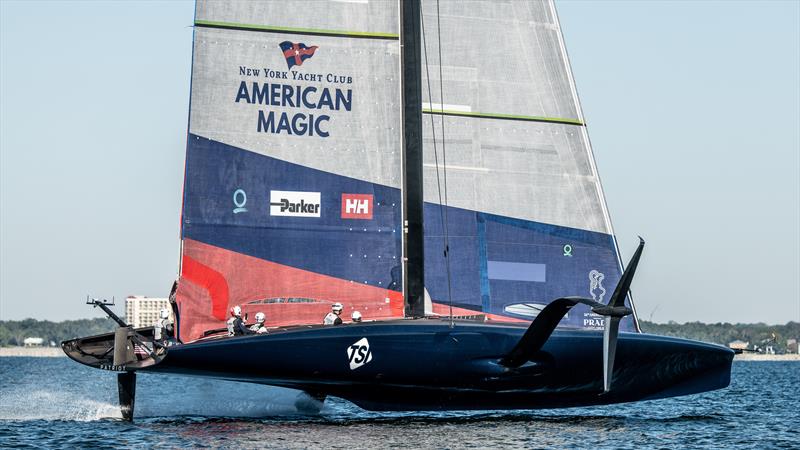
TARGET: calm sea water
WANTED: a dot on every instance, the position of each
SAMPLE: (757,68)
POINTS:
(56,403)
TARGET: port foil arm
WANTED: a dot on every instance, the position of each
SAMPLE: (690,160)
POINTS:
(547,320)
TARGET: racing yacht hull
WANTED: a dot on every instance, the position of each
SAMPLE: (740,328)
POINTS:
(427,365)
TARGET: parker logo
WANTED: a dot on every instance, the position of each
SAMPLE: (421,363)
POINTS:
(294,203)
(359,354)
(357,206)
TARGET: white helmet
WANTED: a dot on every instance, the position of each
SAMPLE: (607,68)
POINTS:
(356,316)
(337,307)
(165,313)
(261,317)
(236,311)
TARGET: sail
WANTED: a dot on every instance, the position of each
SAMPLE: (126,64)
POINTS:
(526,218)
(292,180)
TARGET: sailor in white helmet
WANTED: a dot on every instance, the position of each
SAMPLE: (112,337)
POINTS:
(333,317)
(163,327)
(356,317)
(259,326)
(236,326)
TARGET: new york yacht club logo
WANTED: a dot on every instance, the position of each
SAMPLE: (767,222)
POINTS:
(296,54)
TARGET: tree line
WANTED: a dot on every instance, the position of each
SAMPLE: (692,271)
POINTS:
(757,334)
(14,332)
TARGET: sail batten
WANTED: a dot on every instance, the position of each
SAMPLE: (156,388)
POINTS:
(290,30)
(485,115)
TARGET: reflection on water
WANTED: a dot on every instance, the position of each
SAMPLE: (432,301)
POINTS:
(58,403)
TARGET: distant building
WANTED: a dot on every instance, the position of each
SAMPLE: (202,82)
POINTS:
(33,342)
(738,345)
(791,346)
(143,311)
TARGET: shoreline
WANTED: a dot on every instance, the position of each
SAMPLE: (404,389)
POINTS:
(36,352)
(760,357)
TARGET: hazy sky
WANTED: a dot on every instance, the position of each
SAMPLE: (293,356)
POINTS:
(693,110)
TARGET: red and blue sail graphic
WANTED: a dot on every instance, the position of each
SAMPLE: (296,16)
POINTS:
(295,54)
(294,270)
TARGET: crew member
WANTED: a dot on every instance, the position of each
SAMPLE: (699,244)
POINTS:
(259,326)
(163,328)
(333,317)
(356,316)
(236,326)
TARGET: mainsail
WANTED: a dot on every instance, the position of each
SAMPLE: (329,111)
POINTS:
(292,194)
(527,221)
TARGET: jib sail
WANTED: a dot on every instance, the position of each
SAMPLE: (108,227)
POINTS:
(527,221)
(291,196)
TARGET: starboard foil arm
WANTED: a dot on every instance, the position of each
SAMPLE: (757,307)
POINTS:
(124,349)
(547,320)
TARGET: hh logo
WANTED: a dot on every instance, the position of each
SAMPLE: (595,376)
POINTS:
(357,206)
(359,353)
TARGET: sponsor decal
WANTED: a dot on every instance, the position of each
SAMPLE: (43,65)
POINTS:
(294,204)
(307,100)
(295,54)
(357,206)
(113,368)
(239,200)
(359,354)
(596,289)
(593,321)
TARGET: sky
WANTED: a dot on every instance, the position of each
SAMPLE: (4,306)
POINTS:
(693,109)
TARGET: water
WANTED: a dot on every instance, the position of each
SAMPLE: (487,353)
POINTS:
(56,403)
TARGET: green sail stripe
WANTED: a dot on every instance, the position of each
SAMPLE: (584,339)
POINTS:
(309,31)
(481,115)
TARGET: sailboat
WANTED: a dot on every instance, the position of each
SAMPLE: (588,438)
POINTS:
(426,164)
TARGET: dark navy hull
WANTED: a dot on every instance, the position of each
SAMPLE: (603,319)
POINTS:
(426,365)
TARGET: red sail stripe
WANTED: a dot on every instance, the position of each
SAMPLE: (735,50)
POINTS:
(210,280)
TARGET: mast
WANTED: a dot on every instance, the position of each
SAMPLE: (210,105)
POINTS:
(411,94)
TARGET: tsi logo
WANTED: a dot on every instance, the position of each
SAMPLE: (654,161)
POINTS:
(357,206)
(359,353)
(294,204)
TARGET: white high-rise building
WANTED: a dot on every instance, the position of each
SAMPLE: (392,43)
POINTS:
(143,311)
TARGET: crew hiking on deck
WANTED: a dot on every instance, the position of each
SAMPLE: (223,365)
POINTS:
(236,326)
(259,327)
(333,317)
